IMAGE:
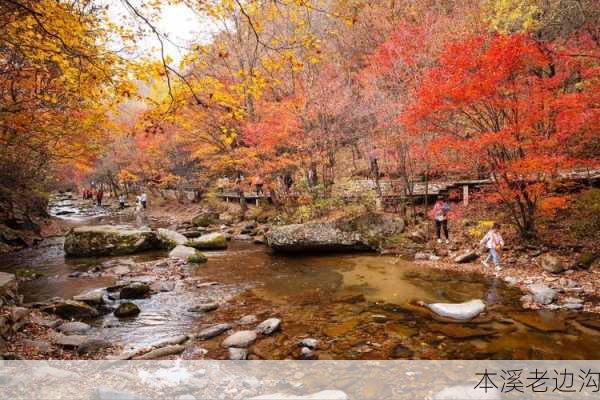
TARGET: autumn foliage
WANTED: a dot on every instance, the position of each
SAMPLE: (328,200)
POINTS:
(317,92)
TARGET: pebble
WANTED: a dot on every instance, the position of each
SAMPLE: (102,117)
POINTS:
(268,326)
(240,339)
(307,354)
(248,320)
(204,307)
(309,342)
(213,331)
(73,328)
(237,353)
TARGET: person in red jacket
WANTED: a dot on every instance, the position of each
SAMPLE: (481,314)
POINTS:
(99,196)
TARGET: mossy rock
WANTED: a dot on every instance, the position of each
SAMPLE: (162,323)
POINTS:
(169,239)
(128,309)
(211,241)
(203,220)
(587,259)
(106,240)
(198,258)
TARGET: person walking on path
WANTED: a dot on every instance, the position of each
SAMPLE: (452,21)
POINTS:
(122,201)
(493,242)
(99,196)
(144,199)
(440,213)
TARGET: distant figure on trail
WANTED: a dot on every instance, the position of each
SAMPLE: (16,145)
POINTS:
(493,242)
(144,199)
(138,204)
(288,181)
(99,196)
(122,201)
(221,184)
(440,215)
(258,185)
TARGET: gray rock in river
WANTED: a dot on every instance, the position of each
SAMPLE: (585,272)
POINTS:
(213,331)
(127,310)
(69,341)
(187,253)
(210,241)
(94,297)
(542,294)
(268,326)
(93,345)
(240,339)
(307,354)
(459,311)
(204,307)
(168,239)
(314,236)
(179,339)
(73,328)
(70,309)
(309,342)
(237,353)
(161,352)
(106,240)
(135,290)
(163,286)
(248,319)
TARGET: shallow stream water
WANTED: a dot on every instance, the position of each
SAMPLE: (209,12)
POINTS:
(359,306)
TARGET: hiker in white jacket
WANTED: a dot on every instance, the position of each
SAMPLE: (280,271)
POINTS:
(493,242)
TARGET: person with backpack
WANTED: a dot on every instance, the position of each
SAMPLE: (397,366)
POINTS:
(440,212)
(493,242)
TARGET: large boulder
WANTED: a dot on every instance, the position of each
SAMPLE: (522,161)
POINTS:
(211,241)
(93,297)
(187,253)
(135,290)
(70,309)
(314,236)
(105,240)
(368,231)
(169,239)
(552,264)
(459,311)
(205,219)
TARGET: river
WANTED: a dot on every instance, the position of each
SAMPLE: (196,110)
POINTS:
(359,306)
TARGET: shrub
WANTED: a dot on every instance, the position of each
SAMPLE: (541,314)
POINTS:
(480,229)
(586,213)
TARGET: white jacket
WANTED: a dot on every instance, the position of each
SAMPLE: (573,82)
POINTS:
(492,240)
